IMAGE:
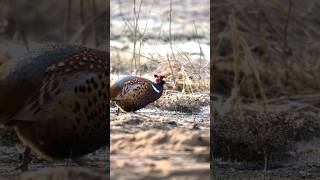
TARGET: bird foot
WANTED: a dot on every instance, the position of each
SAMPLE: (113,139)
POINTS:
(118,111)
(79,161)
(26,159)
(22,167)
(67,163)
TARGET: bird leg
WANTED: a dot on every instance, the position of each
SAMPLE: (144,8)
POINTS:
(79,161)
(68,162)
(118,111)
(26,159)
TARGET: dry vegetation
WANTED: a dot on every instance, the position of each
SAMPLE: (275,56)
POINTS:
(266,83)
(146,44)
(169,138)
(177,101)
(65,174)
(27,25)
(157,147)
(80,22)
(187,83)
(270,44)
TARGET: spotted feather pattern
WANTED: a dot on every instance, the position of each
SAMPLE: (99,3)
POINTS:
(87,59)
(134,93)
(68,109)
(132,85)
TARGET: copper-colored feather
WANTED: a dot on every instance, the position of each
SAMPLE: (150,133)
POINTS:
(133,93)
(57,100)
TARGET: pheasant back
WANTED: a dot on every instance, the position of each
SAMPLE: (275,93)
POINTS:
(62,113)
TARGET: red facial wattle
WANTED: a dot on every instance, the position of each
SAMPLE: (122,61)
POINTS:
(159,78)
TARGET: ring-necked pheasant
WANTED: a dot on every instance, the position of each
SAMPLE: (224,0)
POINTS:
(133,93)
(56,99)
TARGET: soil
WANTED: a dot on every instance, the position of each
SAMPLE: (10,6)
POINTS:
(155,143)
(11,149)
(158,144)
(242,146)
(226,173)
(151,143)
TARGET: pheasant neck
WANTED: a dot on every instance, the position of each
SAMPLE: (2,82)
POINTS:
(157,87)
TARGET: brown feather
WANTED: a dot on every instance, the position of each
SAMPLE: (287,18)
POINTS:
(67,109)
(133,93)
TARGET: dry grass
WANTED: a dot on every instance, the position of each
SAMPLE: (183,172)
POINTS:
(185,75)
(79,22)
(177,101)
(184,72)
(264,46)
(262,137)
(182,75)
(266,56)
(64,173)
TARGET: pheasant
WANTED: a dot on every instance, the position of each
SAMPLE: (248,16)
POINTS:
(56,101)
(133,93)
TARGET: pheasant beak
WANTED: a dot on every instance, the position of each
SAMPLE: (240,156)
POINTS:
(159,79)
(159,76)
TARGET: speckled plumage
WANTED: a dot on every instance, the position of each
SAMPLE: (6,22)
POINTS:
(57,99)
(133,93)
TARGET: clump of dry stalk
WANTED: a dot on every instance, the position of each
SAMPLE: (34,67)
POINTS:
(177,101)
(283,45)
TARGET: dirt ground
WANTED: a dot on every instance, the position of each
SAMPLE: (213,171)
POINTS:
(280,173)
(152,143)
(247,40)
(170,138)
(157,144)
(11,148)
(296,158)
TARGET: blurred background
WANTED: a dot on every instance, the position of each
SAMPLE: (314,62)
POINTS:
(170,137)
(265,74)
(155,37)
(51,21)
(28,25)
(31,23)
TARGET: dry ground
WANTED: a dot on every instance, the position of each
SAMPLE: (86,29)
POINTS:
(265,56)
(158,144)
(11,148)
(168,139)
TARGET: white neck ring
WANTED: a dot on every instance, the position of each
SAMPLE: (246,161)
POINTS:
(155,89)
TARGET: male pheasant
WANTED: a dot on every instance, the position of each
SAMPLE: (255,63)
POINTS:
(56,99)
(133,93)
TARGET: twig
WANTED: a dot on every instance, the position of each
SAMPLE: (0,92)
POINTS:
(81,30)
(200,49)
(285,43)
(142,55)
(82,22)
(142,37)
(170,33)
(173,75)
(136,16)
(94,26)
(265,161)
(67,21)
